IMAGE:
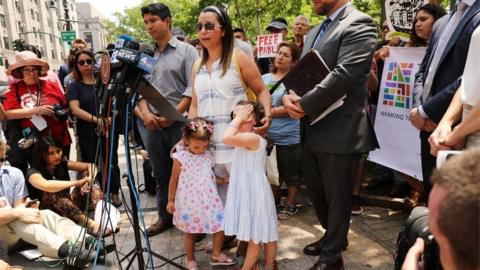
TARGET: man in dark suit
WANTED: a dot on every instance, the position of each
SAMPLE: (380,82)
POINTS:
(332,147)
(439,74)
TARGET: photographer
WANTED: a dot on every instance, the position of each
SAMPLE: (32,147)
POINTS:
(454,215)
(34,107)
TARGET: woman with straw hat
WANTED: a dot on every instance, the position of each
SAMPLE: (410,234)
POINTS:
(38,105)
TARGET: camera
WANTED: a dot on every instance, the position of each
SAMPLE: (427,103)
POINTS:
(416,226)
(60,113)
(28,139)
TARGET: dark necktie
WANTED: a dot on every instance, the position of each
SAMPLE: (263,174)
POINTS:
(323,30)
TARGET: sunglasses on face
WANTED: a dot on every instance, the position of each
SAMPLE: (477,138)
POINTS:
(3,159)
(83,62)
(208,26)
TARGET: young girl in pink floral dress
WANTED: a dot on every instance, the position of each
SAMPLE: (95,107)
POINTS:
(192,194)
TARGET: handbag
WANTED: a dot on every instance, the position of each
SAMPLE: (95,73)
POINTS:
(272,167)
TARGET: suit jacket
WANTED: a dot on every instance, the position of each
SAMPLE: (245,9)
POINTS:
(451,65)
(347,48)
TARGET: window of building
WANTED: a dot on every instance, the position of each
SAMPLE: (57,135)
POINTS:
(7,44)
(53,54)
(37,16)
(88,38)
(2,21)
(32,13)
(86,26)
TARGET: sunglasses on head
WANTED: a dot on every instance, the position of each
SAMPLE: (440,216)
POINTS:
(208,26)
(83,62)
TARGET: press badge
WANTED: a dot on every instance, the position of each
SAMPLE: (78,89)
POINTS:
(4,203)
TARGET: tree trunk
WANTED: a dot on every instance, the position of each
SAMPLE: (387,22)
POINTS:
(258,17)
(383,17)
(239,16)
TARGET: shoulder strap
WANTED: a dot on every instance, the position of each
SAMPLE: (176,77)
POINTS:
(248,91)
(237,67)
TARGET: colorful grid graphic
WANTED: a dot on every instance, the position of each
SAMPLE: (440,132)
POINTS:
(398,87)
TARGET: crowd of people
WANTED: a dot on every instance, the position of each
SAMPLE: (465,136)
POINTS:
(211,173)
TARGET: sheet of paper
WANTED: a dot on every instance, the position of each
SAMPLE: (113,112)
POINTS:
(31,254)
(39,122)
(332,107)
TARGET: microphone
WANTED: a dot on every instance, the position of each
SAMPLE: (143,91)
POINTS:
(146,62)
(130,53)
(121,40)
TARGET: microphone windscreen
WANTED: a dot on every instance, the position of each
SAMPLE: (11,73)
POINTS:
(132,45)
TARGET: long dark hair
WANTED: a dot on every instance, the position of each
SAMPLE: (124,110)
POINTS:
(433,9)
(227,38)
(76,74)
(40,152)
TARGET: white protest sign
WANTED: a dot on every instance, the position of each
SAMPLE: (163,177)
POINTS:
(267,45)
(399,140)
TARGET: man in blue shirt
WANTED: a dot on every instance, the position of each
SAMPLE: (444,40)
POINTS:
(52,234)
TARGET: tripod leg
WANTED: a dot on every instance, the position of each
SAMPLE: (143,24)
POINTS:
(128,255)
(131,260)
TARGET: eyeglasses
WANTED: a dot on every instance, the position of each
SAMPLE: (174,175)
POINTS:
(208,26)
(385,27)
(83,62)
(32,70)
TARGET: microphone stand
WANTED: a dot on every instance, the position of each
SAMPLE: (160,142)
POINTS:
(138,251)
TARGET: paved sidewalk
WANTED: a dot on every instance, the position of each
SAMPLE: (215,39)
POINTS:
(371,237)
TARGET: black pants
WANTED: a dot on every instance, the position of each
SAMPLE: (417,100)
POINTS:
(159,144)
(330,179)
(428,164)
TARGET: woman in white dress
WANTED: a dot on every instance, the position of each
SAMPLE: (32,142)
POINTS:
(465,105)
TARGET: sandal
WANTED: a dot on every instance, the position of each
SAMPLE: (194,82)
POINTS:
(208,247)
(192,265)
(287,212)
(96,232)
(222,260)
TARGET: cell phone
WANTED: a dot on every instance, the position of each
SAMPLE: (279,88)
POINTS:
(30,203)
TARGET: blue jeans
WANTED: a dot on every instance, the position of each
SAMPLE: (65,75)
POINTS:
(159,144)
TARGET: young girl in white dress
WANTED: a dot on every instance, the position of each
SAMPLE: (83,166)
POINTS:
(192,194)
(250,208)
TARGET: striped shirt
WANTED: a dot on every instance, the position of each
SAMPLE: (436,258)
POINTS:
(217,96)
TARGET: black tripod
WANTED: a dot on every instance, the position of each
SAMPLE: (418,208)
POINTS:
(139,249)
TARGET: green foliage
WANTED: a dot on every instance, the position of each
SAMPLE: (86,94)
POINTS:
(251,15)
(370,7)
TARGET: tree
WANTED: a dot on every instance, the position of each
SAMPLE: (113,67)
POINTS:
(251,15)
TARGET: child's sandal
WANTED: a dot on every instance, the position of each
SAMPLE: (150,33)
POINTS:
(222,260)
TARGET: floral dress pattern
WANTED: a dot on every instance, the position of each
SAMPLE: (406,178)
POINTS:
(198,207)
